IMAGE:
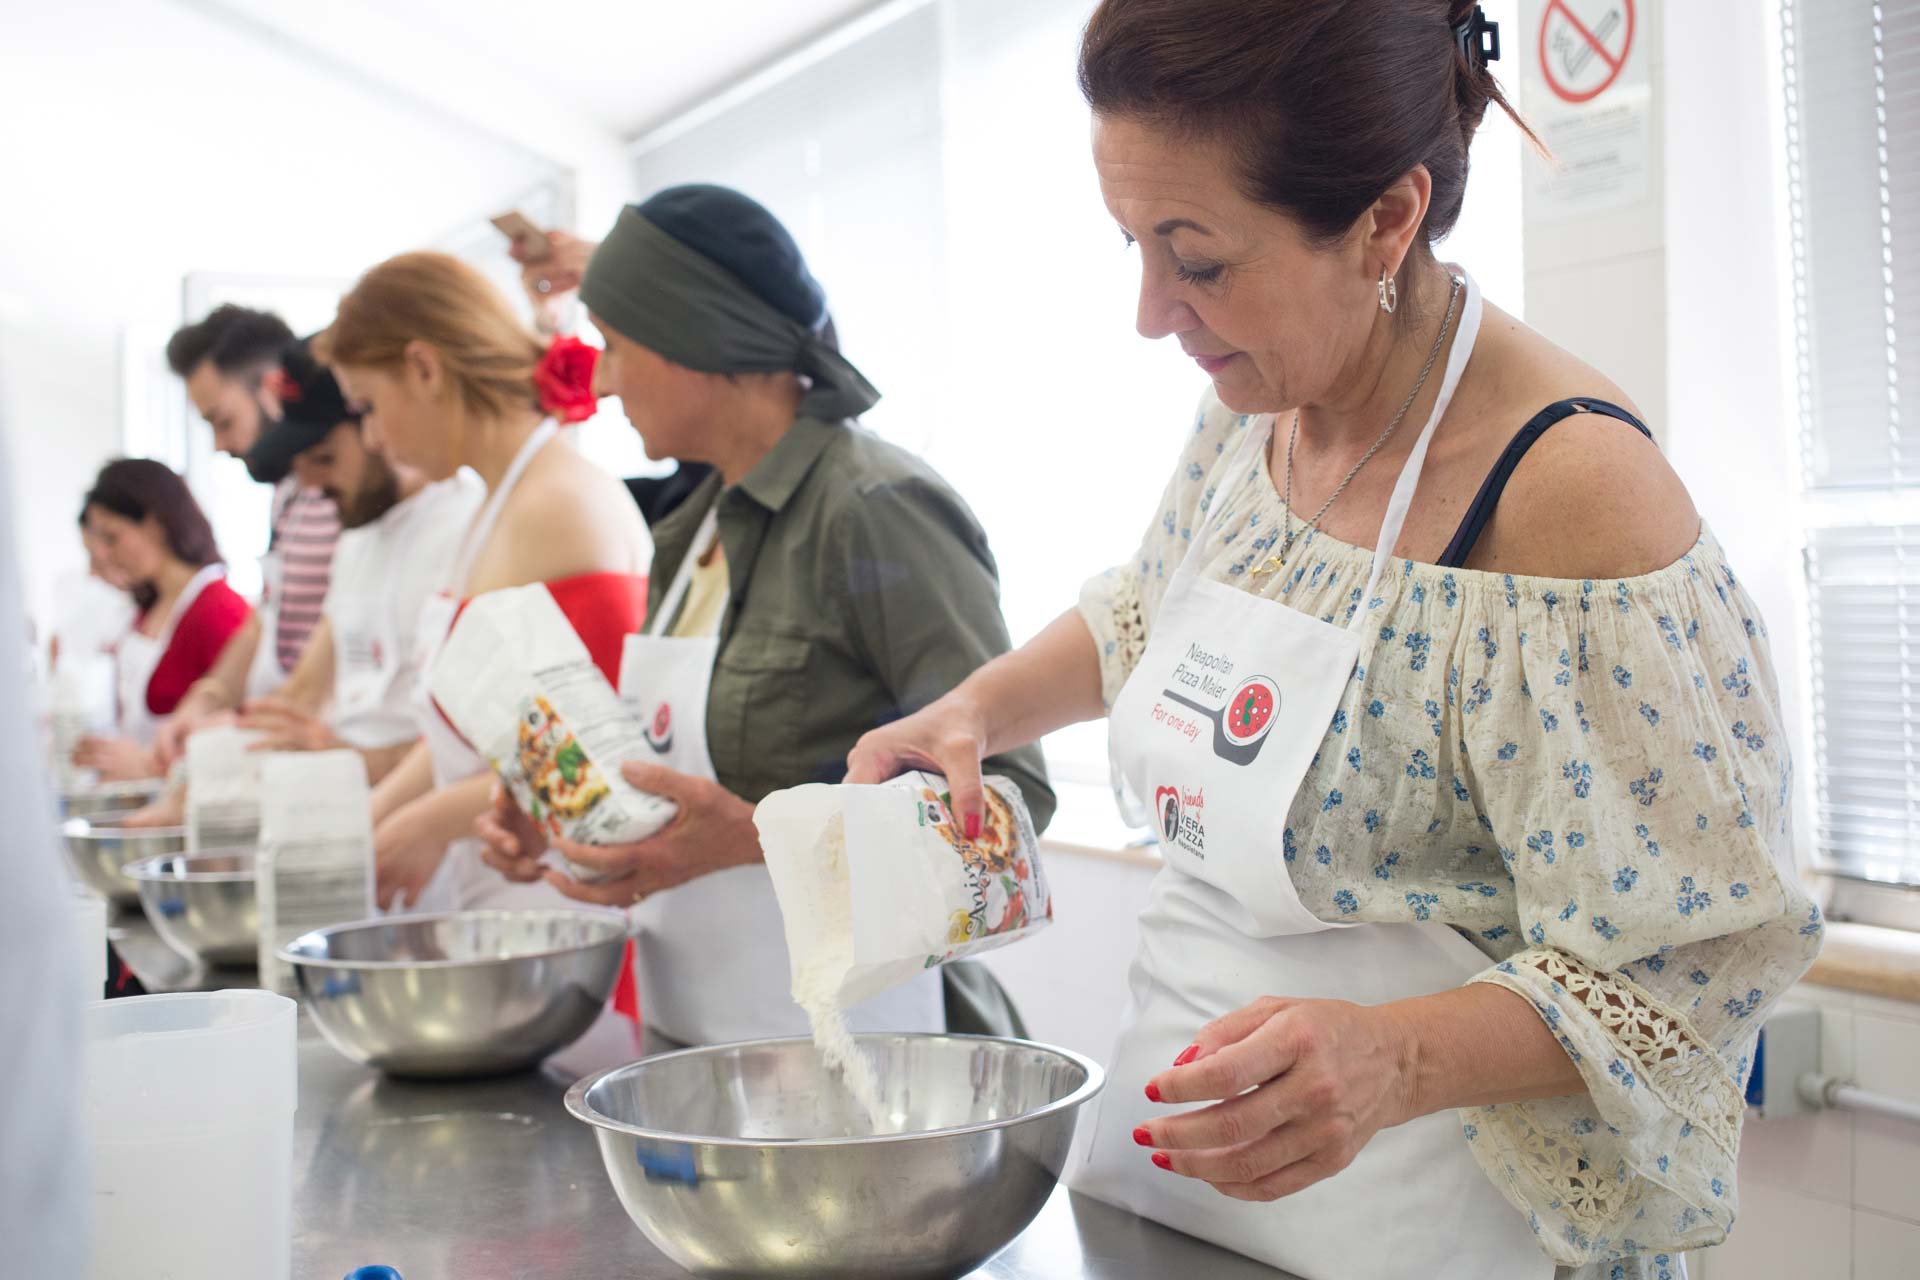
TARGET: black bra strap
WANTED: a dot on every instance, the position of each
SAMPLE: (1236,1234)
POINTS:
(1455,556)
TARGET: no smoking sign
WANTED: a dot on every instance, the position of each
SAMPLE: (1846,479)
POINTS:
(1583,46)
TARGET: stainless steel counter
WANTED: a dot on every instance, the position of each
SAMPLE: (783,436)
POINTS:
(493,1180)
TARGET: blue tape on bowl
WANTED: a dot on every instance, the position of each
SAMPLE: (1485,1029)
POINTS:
(171,907)
(667,1164)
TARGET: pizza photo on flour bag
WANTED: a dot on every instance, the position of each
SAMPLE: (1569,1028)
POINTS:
(517,682)
(877,883)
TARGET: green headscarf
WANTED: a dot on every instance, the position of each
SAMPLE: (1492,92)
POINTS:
(658,290)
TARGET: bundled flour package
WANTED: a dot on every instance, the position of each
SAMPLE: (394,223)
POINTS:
(518,683)
(79,703)
(223,789)
(315,865)
(877,883)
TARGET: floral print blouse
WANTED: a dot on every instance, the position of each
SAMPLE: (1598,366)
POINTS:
(1587,779)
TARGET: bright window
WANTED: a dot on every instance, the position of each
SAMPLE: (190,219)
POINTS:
(1853,157)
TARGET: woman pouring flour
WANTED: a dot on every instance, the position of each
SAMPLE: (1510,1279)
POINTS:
(819,583)
(1462,740)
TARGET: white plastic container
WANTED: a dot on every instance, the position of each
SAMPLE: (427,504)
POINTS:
(189,1104)
(90,941)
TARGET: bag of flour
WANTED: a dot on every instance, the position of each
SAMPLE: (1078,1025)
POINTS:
(223,789)
(315,865)
(877,883)
(518,683)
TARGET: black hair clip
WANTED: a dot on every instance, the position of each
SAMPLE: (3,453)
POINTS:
(1478,39)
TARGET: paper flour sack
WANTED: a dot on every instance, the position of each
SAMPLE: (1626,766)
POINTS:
(877,883)
(518,683)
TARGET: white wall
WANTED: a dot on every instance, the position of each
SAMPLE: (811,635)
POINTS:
(145,139)
(1833,1194)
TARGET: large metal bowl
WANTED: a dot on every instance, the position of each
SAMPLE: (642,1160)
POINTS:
(100,848)
(466,993)
(735,1160)
(204,907)
(109,798)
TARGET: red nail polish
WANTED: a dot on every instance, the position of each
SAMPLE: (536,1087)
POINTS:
(973,826)
(1142,1138)
(1153,1093)
(1162,1160)
(1187,1055)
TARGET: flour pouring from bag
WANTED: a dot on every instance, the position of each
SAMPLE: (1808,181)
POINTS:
(878,883)
(518,683)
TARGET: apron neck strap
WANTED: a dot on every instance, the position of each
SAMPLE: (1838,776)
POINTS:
(489,514)
(703,540)
(1466,331)
(202,577)
(1252,451)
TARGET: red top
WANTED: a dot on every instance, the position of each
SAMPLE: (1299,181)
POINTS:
(604,608)
(202,633)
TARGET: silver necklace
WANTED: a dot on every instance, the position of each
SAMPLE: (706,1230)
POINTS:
(1277,561)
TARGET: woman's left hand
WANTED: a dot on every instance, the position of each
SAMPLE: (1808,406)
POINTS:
(116,759)
(713,831)
(1297,1087)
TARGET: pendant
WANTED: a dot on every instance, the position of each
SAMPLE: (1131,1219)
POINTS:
(1275,562)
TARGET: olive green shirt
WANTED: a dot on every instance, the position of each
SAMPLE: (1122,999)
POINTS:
(862,589)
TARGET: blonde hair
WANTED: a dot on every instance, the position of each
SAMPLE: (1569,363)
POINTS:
(439,300)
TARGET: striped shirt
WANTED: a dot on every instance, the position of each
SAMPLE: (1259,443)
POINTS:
(305,527)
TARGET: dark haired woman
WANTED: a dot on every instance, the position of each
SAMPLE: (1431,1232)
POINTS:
(151,534)
(1464,740)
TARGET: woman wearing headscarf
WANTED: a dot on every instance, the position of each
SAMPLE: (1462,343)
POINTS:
(820,583)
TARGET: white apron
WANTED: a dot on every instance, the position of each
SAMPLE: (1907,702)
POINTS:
(266,674)
(137,655)
(366,653)
(1216,728)
(711,954)
(464,882)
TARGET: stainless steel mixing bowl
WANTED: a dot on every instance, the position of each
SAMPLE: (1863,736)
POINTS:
(204,907)
(751,1160)
(465,993)
(99,848)
(109,798)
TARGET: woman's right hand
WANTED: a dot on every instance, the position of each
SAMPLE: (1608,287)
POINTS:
(510,842)
(552,277)
(948,737)
(170,739)
(407,851)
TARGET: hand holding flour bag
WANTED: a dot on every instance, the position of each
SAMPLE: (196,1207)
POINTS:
(518,683)
(877,883)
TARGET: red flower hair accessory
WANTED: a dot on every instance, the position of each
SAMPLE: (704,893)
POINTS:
(564,379)
(282,385)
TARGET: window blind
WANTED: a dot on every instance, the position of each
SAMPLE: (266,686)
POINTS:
(1851,78)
